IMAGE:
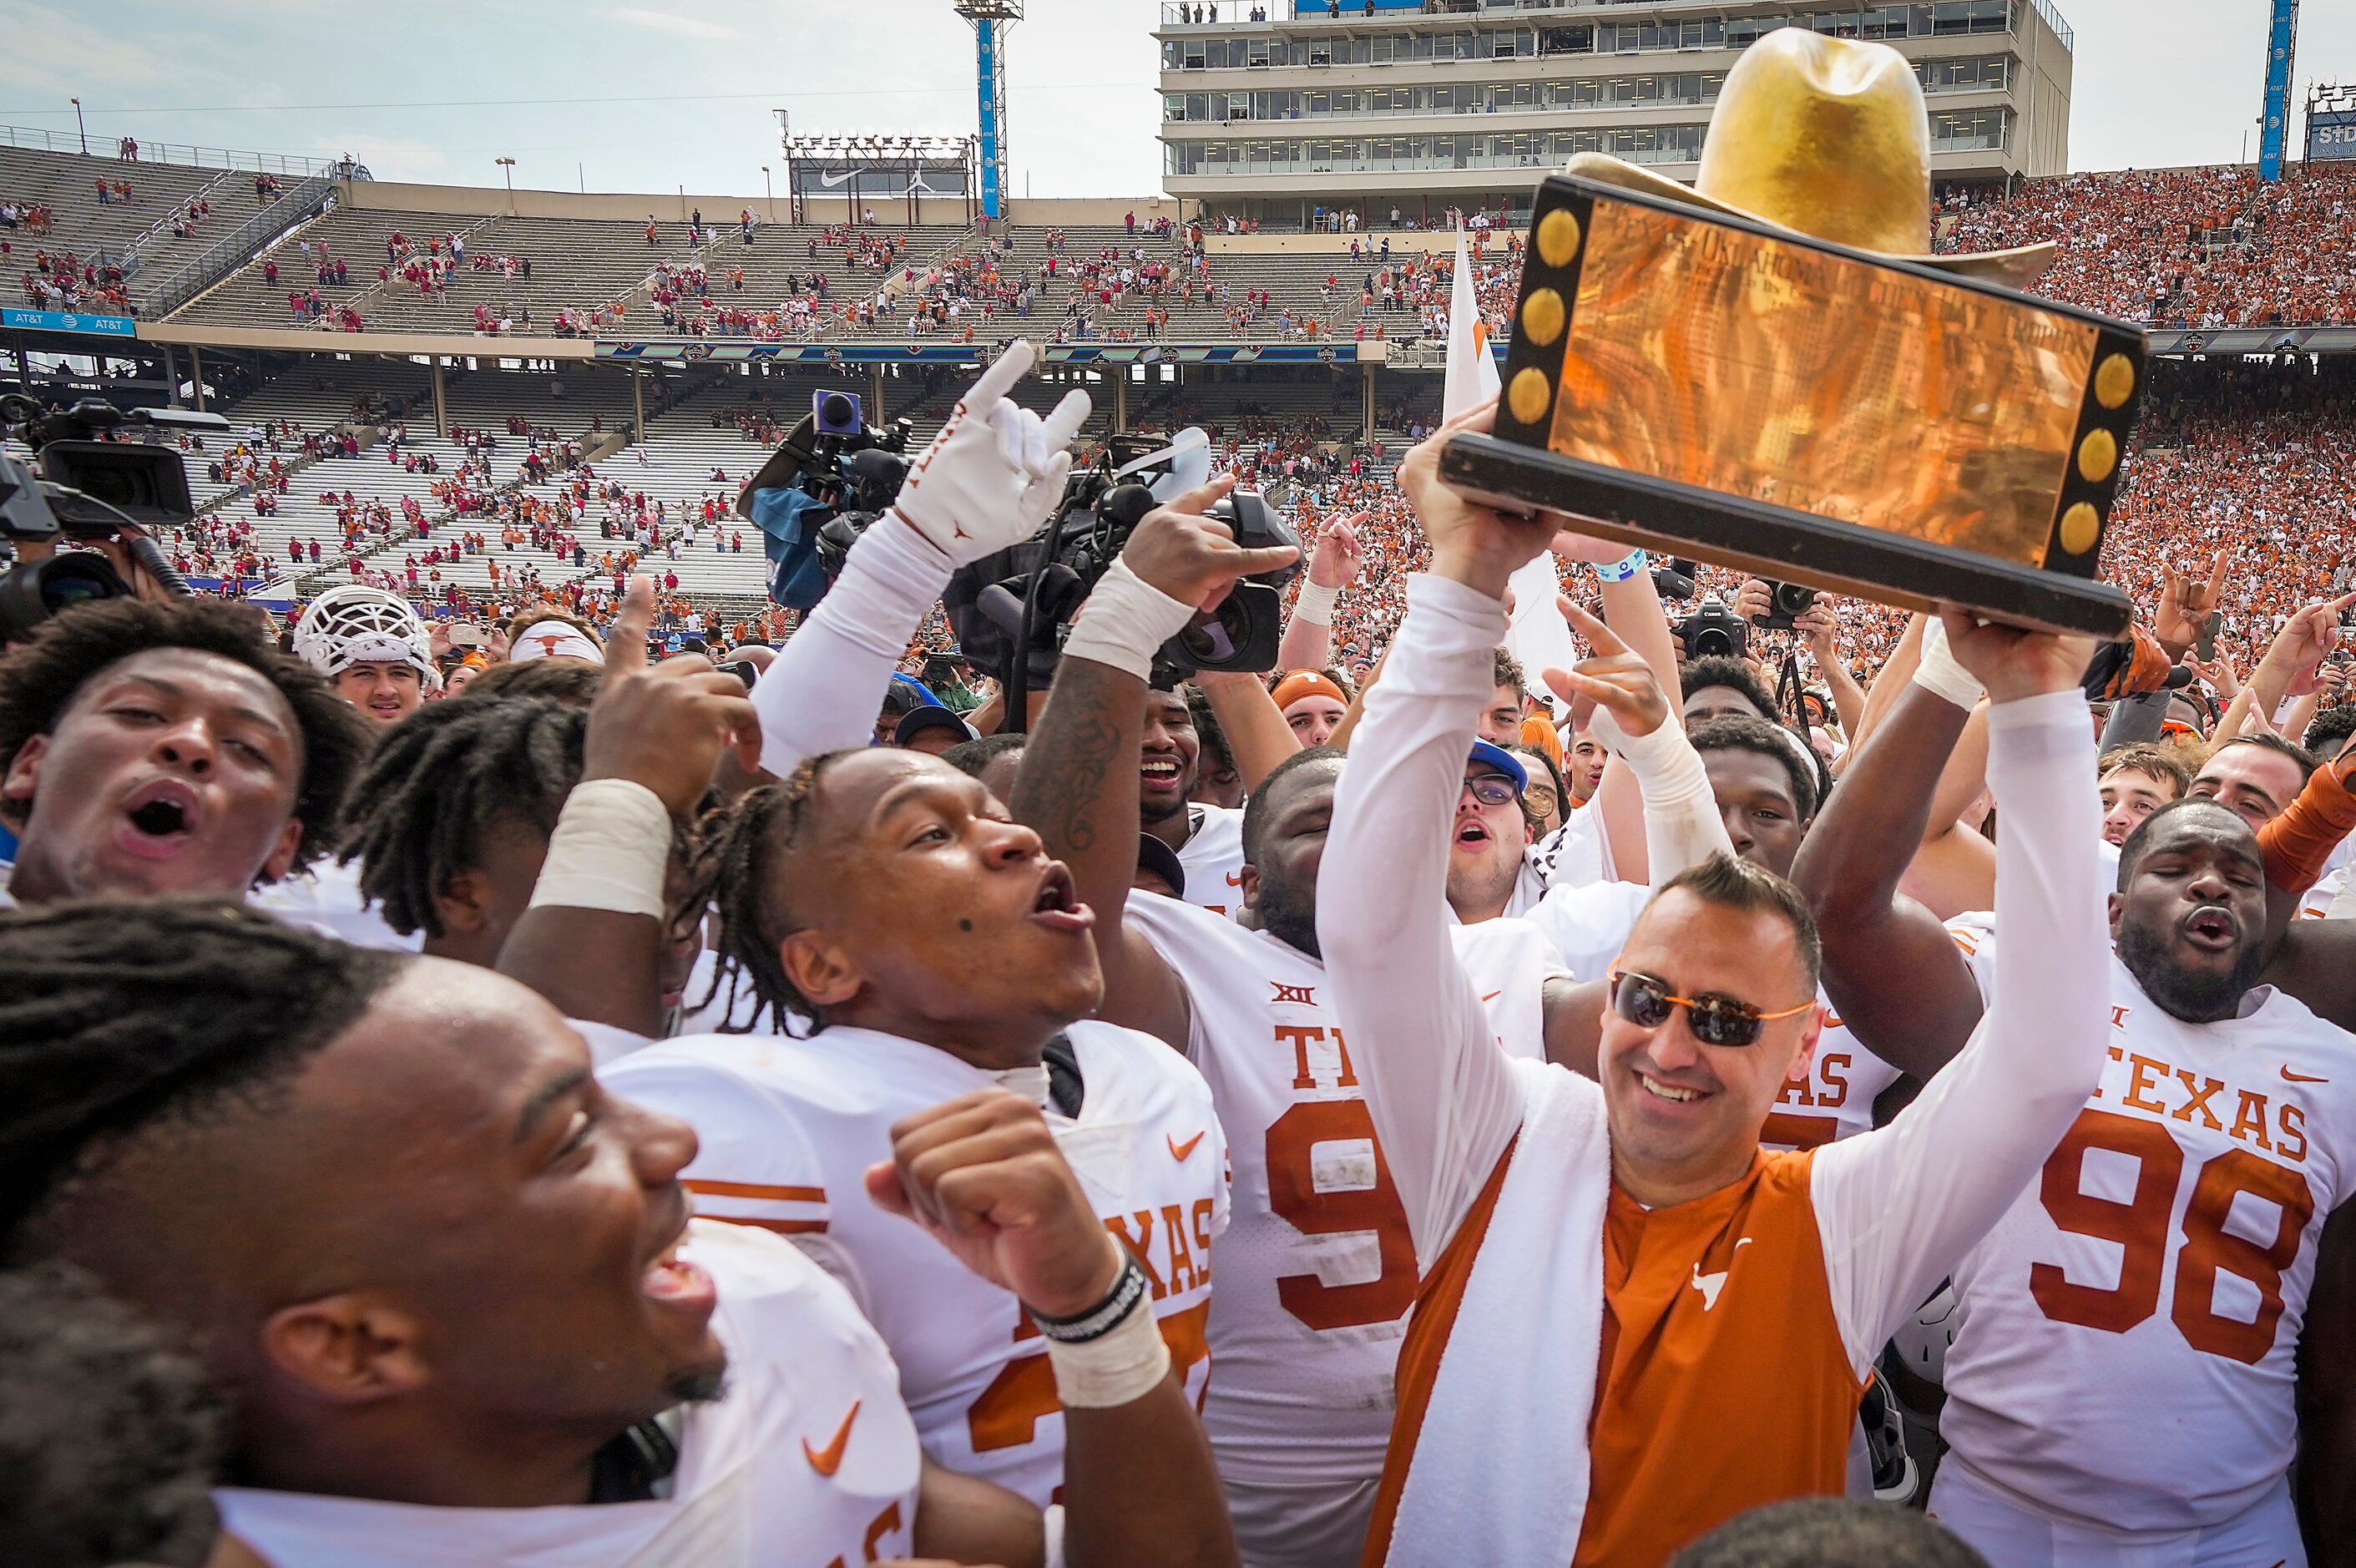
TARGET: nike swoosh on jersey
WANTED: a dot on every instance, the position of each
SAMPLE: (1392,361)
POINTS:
(2291,1077)
(1492,997)
(826,1461)
(1179,1150)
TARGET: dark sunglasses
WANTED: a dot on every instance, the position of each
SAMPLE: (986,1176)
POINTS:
(1714,1020)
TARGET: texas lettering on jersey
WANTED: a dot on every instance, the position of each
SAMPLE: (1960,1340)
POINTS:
(2169,1243)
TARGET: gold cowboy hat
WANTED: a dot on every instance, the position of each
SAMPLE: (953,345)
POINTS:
(1829,137)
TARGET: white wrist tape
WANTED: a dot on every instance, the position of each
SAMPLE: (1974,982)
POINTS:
(1316,603)
(610,850)
(1126,1363)
(1938,671)
(1124,621)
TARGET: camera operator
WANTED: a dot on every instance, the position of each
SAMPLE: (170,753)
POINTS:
(1819,627)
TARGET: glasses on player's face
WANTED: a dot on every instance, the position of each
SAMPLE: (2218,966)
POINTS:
(1715,1020)
(1491,788)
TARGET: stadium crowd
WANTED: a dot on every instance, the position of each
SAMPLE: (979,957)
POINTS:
(1430,1038)
(300,912)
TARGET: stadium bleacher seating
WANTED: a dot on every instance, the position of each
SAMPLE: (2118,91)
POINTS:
(138,226)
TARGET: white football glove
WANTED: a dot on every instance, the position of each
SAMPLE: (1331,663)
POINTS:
(994,474)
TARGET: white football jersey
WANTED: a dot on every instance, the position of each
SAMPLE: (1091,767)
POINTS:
(2315,903)
(1588,922)
(1573,855)
(1837,1101)
(2125,1338)
(1317,1270)
(807,1458)
(1213,859)
(327,899)
(788,1129)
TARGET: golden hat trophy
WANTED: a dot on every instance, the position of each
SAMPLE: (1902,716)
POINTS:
(1770,370)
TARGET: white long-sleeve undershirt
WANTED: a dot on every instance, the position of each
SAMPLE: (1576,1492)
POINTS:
(822,692)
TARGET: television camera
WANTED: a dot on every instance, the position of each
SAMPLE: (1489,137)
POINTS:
(82,488)
(1011,611)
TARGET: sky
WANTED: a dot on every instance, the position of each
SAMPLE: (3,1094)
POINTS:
(651,95)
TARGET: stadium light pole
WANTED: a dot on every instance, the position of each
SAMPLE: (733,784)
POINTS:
(507,167)
(84,128)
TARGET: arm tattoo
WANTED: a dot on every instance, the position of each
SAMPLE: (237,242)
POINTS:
(1069,763)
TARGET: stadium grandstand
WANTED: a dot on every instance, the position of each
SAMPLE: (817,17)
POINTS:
(481,396)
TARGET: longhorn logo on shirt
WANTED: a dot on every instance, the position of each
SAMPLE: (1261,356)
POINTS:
(1710,1284)
(1304,995)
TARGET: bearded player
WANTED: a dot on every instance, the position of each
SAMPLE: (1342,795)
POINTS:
(2176,1250)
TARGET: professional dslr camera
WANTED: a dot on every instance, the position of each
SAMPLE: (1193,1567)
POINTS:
(1786,602)
(1714,631)
(1011,610)
(82,490)
(844,473)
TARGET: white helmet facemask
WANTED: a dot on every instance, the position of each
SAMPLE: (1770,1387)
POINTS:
(355,624)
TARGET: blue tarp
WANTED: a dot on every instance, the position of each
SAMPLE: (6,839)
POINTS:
(790,538)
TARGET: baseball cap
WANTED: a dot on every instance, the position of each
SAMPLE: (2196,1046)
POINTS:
(931,715)
(1504,761)
(1157,857)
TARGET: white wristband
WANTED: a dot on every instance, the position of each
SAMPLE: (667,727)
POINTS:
(610,850)
(1316,603)
(1125,621)
(1124,1364)
(1937,671)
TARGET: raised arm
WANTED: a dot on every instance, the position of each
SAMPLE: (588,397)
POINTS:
(594,938)
(1333,565)
(1251,721)
(1442,1092)
(1078,782)
(1897,1207)
(1890,970)
(1631,608)
(989,480)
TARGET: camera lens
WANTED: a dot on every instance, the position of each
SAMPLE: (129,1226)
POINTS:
(1212,643)
(63,593)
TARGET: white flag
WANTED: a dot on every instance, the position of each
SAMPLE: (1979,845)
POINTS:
(1537,634)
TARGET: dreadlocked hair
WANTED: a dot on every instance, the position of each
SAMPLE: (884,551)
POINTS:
(440,782)
(116,1015)
(738,863)
(39,681)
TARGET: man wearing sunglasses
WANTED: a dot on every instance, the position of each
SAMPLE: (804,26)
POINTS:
(2164,1315)
(1316,1269)
(1672,1325)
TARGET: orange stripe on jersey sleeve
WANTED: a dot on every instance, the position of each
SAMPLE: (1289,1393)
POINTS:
(787,1210)
(754,1189)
